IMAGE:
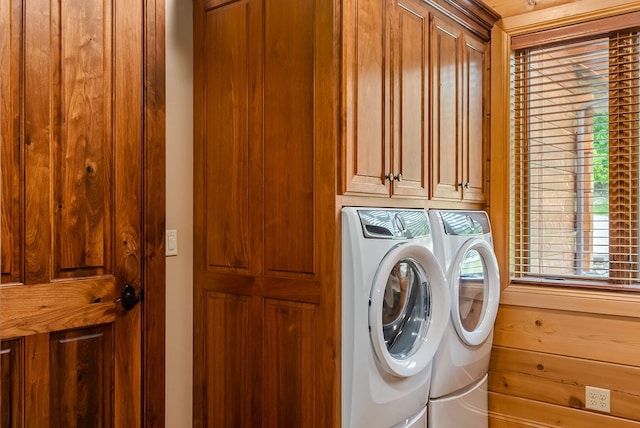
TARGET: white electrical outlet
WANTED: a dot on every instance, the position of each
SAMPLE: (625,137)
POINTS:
(597,399)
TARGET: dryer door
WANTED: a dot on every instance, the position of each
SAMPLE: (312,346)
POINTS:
(475,291)
(408,310)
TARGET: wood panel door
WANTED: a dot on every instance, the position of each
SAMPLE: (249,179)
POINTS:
(476,99)
(72,212)
(264,255)
(366,151)
(410,94)
(446,59)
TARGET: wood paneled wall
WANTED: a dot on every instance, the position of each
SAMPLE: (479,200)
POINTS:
(544,358)
(550,343)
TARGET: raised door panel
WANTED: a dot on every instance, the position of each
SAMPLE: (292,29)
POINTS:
(410,76)
(12,372)
(230,385)
(289,172)
(81,375)
(446,93)
(223,160)
(365,72)
(290,366)
(476,110)
(11,203)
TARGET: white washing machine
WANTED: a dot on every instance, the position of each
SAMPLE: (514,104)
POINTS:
(463,243)
(395,308)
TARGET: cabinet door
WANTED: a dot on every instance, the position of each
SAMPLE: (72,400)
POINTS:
(410,95)
(475,122)
(446,58)
(366,134)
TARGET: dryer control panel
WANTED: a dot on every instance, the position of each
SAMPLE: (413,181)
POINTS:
(467,223)
(394,224)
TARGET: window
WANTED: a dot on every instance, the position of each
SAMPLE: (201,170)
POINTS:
(575,156)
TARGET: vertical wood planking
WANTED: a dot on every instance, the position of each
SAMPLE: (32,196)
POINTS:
(289,364)
(81,378)
(37,141)
(11,26)
(226,170)
(288,137)
(82,143)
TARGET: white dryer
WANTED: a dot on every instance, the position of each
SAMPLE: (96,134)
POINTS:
(463,243)
(395,306)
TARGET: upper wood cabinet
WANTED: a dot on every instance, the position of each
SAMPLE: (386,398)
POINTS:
(385,62)
(415,97)
(460,113)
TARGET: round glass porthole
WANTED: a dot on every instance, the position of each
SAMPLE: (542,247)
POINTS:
(409,309)
(475,291)
(405,309)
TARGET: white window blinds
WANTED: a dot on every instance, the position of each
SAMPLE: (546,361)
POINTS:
(575,157)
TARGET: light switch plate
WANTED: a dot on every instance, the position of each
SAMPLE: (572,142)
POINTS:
(171,241)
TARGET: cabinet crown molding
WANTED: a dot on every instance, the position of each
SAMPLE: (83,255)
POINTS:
(474,15)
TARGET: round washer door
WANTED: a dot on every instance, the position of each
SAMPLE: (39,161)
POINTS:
(409,309)
(475,291)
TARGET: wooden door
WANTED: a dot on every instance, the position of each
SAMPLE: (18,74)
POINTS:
(410,94)
(475,104)
(265,288)
(72,176)
(446,57)
(366,150)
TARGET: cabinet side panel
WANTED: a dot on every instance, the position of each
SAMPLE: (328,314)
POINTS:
(289,137)
(226,138)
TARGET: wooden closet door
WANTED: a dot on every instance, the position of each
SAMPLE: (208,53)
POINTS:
(71,212)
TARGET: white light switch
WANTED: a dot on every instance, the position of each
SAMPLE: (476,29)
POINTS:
(172,242)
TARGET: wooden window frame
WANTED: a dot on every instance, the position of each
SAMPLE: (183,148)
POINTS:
(514,293)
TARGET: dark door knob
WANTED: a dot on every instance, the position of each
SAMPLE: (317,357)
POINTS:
(128,297)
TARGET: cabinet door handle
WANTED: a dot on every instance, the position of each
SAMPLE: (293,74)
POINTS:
(464,184)
(398,177)
(389,176)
